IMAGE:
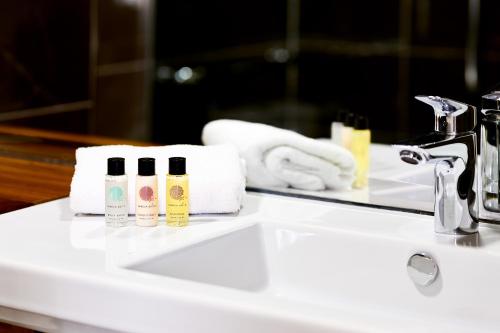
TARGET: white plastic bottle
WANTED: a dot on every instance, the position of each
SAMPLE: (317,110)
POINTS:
(116,187)
(337,128)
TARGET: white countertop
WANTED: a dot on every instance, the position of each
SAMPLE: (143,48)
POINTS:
(68,269)
(59,271)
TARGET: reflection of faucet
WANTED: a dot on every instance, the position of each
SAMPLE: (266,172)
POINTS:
(452,147)
(489,198)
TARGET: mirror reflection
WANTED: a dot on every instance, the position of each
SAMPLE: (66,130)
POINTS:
(336,80)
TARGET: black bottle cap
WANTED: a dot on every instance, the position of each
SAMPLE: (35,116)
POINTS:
(177,165)
(116,166)
(361,123)
(146,166)
(350,120)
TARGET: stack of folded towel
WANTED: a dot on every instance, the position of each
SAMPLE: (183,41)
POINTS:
(216,176)
(280,158)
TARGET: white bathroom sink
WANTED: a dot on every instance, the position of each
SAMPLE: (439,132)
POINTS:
(281,265)
(341,271)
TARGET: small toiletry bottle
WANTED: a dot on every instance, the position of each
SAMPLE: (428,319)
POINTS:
(347,131)
(337,127)
(360,148)
(177,193)
(146,193)
(116,187)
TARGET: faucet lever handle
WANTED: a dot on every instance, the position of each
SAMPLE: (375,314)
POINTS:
(451,117)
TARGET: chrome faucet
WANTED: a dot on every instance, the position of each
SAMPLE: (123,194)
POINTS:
(452,147)
(489,166)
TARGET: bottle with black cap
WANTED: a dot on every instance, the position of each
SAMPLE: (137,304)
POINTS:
(116,193)
(146,193)
(177,213)
(337,127)
(360,148)
(347,130)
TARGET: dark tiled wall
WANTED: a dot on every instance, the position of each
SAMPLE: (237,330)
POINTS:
(43,54)
(79,66)
(226,43)
(87,64)
(123,65)
(368,57)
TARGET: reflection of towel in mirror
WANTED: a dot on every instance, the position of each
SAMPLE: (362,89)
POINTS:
(280,158)
(216,176)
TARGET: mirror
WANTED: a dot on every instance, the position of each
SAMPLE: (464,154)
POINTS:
(159,71)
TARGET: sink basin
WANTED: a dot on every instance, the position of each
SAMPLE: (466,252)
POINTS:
(244,267)
(337,269)
(299,263)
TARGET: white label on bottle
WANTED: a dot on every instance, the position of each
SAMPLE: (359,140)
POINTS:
(116,199)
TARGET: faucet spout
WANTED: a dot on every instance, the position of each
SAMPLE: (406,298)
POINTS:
(436,146)
(454,188)
(454,155)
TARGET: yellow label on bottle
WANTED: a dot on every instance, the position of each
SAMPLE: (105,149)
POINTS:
(177,195)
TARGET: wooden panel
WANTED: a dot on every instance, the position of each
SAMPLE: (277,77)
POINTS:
(33,182)
(6,328)
(64,137)
(37,166)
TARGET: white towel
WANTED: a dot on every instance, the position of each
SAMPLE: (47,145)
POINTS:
(216,176)
(280,158)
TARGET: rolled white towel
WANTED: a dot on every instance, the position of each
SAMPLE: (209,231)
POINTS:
(216,176)
(281,158)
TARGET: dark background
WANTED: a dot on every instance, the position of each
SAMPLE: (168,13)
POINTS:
(160,70)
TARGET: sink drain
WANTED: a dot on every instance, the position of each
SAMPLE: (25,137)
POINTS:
(422,269)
